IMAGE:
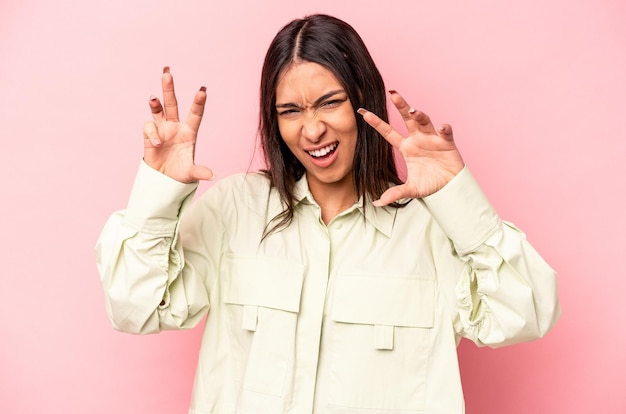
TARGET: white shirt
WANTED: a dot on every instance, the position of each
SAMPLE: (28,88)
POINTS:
(362,315)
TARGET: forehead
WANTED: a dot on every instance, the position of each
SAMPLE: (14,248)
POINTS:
(305,79)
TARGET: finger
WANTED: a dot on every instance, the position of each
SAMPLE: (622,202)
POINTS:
(151,134)
(169,97)
(200,172)
(413,118)
(157,110)
(423,121)
(197,110)
(445,132)
(383,128)
(392,195)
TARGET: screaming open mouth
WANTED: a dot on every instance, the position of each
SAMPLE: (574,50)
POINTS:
(324,152)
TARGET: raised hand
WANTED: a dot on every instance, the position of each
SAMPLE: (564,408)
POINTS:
(430,154)
(169,144)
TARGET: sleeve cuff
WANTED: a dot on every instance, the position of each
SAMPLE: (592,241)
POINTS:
(156,200)
(463,212)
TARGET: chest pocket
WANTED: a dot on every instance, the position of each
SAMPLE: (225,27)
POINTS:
(380,342)
(262,297)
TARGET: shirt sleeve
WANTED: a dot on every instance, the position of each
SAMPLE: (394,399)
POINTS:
(148,281)
(506,293)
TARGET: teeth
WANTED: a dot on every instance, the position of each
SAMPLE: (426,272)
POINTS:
(323,151)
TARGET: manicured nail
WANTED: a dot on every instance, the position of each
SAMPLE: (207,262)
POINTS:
(153,98)
(203,88)
(166,69)
(412,111)
(361,111)
(392,91)
(377,203)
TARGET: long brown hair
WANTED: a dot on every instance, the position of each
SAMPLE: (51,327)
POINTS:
(335,45)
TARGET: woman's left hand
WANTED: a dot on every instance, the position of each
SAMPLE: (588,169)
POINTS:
(431,157)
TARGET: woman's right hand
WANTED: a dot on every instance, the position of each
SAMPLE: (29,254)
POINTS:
(169,145)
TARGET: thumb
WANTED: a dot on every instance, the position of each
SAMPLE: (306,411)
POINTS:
(445,132)
(392,195)
(200,172)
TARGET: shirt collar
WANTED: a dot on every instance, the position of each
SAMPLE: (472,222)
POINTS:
(301,191)
(382,218)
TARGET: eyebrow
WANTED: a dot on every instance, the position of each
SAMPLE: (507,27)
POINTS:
(316,103)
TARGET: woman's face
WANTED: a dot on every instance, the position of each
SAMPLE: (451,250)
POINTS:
(318,124)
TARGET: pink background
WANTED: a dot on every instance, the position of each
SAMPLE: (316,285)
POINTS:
(536,93)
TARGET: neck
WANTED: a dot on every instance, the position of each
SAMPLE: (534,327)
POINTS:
(333,198)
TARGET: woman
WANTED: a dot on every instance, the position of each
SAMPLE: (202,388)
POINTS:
(330,285)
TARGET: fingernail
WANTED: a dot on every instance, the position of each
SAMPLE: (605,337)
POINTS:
(166,69)
(361,111)
(153,98)
(203,88)
(377,203)
(392,91)
(412,111)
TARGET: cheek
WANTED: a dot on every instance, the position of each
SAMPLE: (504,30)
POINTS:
(348,128)
(345,122)
(350,132)
(287,132)
(289,135)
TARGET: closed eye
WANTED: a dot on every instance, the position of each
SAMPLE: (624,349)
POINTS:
(292,110)
(332,103)
(289,112)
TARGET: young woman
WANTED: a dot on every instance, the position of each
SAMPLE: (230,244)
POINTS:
(330,285)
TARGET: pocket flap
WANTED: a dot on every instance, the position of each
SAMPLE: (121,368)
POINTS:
(384,300)
(263,281)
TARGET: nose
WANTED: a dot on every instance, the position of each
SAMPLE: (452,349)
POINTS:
(313,127)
